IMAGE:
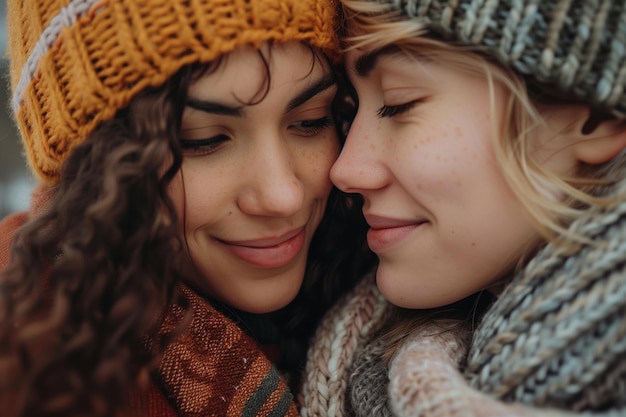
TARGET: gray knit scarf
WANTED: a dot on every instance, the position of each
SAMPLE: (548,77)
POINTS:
(553,344)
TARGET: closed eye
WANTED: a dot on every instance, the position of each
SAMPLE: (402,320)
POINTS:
(311,127)
(199,147)
(390,111)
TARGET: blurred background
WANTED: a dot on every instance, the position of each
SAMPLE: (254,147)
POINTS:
(16,182)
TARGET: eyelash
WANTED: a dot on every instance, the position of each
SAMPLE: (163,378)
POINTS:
(207,146)
(202,146)
(312,127)
(390,111)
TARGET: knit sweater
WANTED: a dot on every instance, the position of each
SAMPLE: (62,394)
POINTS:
(552,344)
(213,368)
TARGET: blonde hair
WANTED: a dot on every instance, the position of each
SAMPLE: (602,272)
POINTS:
(371,26)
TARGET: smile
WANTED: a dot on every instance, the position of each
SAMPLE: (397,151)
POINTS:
(268,253)
(385,233)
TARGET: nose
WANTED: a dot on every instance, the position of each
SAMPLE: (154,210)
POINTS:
(272,187)
(360,165)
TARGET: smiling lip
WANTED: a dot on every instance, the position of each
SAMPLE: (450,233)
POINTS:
(385,232)
(268,253)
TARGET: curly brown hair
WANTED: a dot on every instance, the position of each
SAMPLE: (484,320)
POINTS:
(108,250)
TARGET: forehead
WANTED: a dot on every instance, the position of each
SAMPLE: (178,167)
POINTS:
(246,72)
(363,63)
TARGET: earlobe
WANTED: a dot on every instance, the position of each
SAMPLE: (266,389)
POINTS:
(601,138)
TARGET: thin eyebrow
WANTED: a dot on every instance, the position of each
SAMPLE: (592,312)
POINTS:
(366,63)
(214,107)
(218,108)
(322,84)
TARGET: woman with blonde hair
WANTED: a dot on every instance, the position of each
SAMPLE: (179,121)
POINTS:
(488,146)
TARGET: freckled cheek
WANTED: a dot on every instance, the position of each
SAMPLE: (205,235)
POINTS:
(434,159)
(318,163)
(197,192)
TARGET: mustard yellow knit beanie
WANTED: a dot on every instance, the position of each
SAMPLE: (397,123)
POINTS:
(75,63)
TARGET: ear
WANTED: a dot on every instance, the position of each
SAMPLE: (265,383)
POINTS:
(600,138)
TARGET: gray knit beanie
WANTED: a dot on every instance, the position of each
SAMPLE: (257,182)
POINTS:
(577,46)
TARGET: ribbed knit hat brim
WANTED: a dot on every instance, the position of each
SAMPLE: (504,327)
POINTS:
(75,63)
(577,46)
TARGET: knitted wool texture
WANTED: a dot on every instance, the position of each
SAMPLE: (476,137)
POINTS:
(577,46)
(346,328)
(230,378)
(553,344)
(75,63)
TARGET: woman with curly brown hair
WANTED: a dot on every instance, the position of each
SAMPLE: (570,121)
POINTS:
(186,238)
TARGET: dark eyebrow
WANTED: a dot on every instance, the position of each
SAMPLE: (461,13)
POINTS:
(217,108)
(214,107)
(366,63)
(322,84)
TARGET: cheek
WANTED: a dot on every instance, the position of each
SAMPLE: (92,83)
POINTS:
(433,158)
(314,164)
(199,194)
(176,193)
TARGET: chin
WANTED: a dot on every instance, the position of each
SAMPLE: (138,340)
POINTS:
(263,307)
(390,285)
(258,304)
(400,289)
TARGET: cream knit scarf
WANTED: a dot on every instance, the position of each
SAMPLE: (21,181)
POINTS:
(553,344)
